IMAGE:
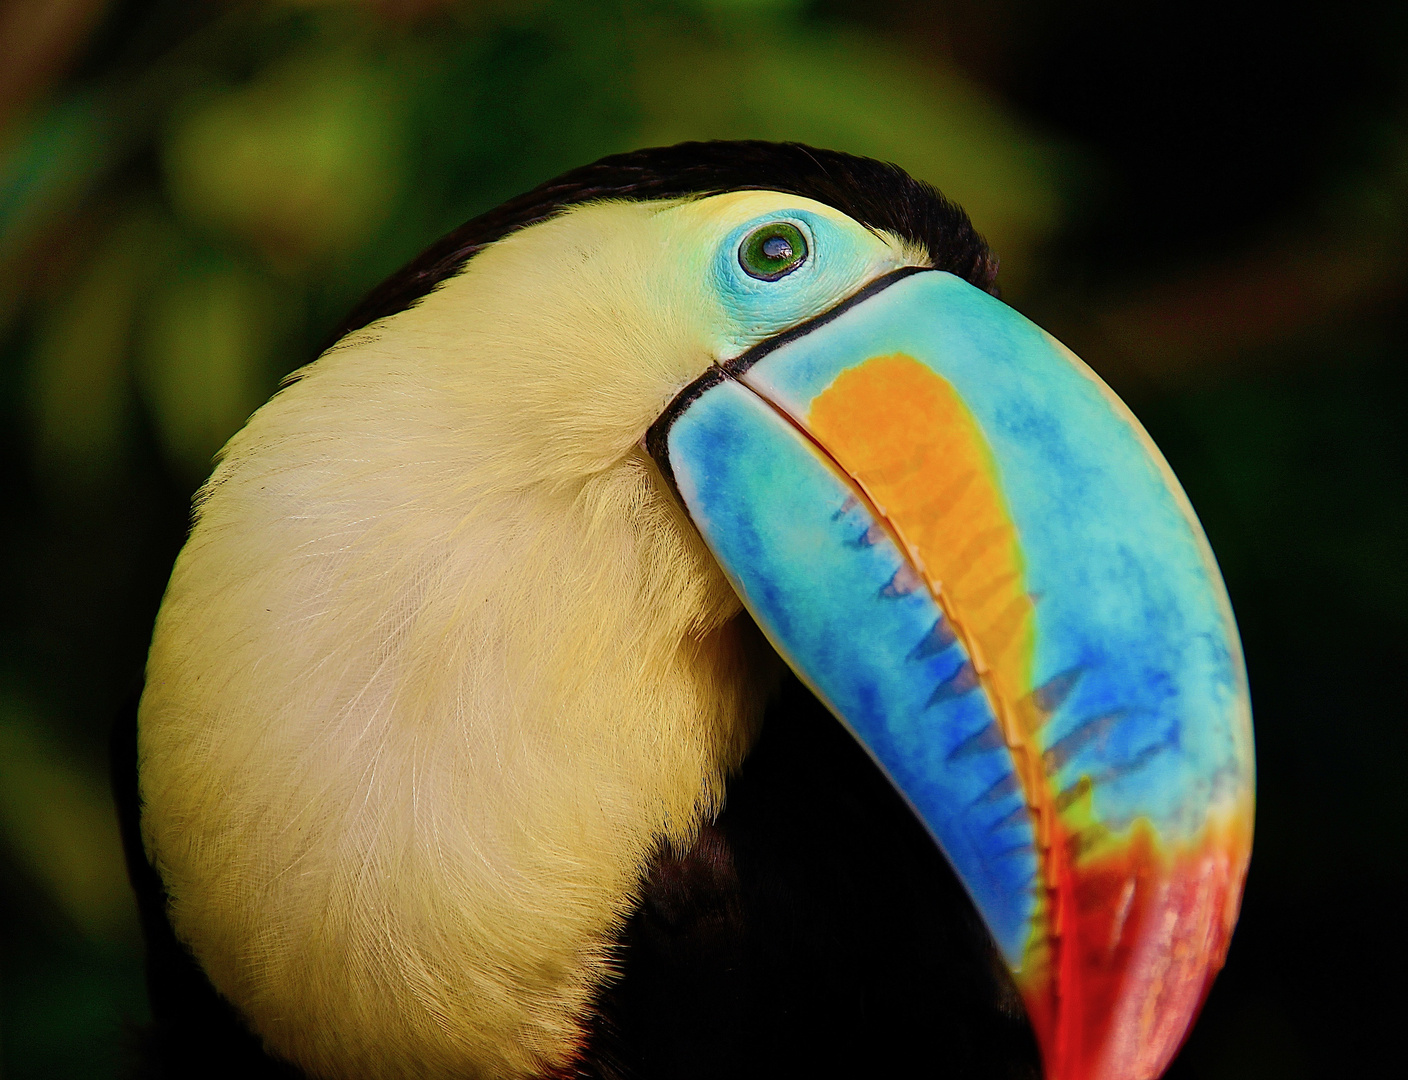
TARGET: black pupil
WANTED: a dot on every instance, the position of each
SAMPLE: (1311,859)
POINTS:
(777,248)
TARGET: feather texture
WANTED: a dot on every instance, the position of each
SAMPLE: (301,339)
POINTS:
(442,663)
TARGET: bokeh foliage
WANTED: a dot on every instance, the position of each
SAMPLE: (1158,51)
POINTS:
(270,168)
(187,212)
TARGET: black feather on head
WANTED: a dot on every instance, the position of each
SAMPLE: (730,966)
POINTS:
(878,195)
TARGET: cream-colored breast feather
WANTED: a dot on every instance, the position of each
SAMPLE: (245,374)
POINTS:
(442,664)
(438,668)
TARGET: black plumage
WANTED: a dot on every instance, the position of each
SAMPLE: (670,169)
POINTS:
(879,196)
(813,929)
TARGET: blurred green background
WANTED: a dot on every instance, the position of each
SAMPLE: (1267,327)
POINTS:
(1208,201)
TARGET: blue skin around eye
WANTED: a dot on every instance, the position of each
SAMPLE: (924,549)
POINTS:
(786,532)
(835,261)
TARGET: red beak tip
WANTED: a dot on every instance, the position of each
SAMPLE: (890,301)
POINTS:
(1144,934)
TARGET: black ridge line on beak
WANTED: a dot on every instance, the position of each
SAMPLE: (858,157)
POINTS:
(658,432)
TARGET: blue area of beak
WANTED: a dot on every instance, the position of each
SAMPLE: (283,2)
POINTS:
(800,549)
(1127,590)
(1131,621)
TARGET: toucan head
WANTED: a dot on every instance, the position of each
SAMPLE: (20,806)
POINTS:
(465,628)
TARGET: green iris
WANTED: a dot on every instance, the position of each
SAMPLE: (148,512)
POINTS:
(773,250)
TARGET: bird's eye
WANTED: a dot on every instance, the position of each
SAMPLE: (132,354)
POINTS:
(772,251)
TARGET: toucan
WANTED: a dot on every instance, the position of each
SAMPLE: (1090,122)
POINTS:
(686,625)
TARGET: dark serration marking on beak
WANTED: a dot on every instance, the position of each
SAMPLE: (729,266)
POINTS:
(1008,786)
(1073,794)
(1052,694)
(963,681)
(940,638)
(872,536)
(989,738)
(1082,787)
(1068,746)
(1079,843)
(846,507)
(905,581)
(1139,760)
(657,435)
(1019,816)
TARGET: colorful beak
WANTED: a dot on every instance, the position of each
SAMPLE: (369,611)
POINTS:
(968,548)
